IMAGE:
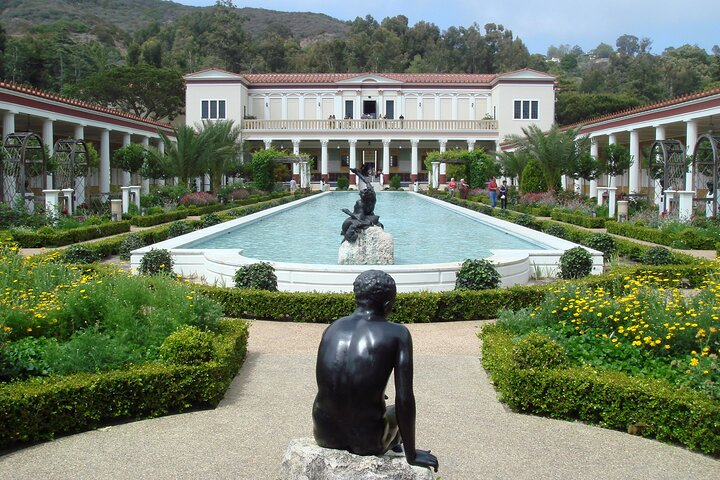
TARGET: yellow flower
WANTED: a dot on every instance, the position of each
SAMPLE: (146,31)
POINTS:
(694,362)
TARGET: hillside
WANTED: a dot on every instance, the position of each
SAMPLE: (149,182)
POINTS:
(128,16)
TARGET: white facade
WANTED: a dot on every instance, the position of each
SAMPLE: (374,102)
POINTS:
(389,120)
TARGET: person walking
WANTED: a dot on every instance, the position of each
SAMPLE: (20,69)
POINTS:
(492,188)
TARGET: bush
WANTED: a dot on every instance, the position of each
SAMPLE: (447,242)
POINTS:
(532,178)
(478,274)
(602,242)
(156,261)
(575,263)
(539,351)
(259,276)
(79,254)
(210,219)
(131,242)
(658,256)
(343,183)
(188,346)
(556,230)
(179,228)
(198,199)
(395,182)
(528,221)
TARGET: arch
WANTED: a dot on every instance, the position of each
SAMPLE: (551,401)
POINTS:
(706,174)
(666,168)
(71,164)
(23,166)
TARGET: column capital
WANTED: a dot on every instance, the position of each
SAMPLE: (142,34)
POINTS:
(352,142)
(443,142)
(414,142)
(268,143)
(295,141)
(386,142)
(324,142)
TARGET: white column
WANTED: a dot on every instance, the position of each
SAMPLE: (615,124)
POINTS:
(80,182)
(454,103)
(443,168)
(296,166)
(594,153)
(161,150)
(104,171)
(283,107)
(658,194)
(324,160)
(125,177)
(353,159)
(386,160)
(691,140)
(612,182)
(634,174)
(8,124)
(48,134)
(268,143)
(471,145)
(145,181)
(437,107)
(414,159)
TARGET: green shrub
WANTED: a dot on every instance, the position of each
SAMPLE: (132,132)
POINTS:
(24,358)
(539,351)
(188,346)
(603,242)
(156,261)
(260,276)
(395,182)
(578,219)
(209,220)
(478,274)
(575,263)
(343,183)
(79,254)
(658,256)
(528,221)
(179,228)
(532,178)
(131,242)
(556,230)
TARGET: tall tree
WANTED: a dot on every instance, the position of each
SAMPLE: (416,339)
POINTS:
(221,141)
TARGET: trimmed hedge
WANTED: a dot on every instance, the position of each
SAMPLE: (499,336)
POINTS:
(578,219)
(158,218)
(688,239)
(40,409)
(420,307)
(609,399)
(58,238)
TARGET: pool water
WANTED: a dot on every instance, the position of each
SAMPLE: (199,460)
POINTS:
(422,231)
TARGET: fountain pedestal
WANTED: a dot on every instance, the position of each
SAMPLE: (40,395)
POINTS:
(374,246)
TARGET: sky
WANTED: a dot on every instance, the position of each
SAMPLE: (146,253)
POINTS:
(538,23)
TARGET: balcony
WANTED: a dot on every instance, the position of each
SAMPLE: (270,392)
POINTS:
(370,125)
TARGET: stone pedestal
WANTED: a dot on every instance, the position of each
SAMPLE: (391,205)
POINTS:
(67,203)
(304,460)
(135,195)
(622,211)
(669,201)
(599,192)
(374,246)
(52,200)
(435,175)
(116,210)
(685,208)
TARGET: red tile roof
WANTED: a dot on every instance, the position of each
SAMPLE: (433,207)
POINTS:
(79,103)
(305,78)
(645,108)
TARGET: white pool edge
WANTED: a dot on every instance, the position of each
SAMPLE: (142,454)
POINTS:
(218,266)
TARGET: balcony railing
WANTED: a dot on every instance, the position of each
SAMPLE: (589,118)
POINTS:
(371,124)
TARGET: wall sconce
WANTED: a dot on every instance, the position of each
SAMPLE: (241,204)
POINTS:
(267,104)
(400,147)
(472,105)
(420,105)
(318,104)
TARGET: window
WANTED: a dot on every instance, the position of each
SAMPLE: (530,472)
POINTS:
(389,109)
(349,109)
(213,110)
(344,160)
(525,110)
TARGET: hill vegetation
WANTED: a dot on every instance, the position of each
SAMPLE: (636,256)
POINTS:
(74,46)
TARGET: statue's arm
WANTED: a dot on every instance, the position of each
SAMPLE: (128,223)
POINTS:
(405,405)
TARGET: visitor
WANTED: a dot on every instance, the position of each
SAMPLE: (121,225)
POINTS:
(492,188)
(463,188)
(503,194)
(452,185)
(293,186)
(356,356)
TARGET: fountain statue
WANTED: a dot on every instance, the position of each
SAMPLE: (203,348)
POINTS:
(365,241)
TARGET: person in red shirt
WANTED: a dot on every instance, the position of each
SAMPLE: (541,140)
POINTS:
(492,188)
(453,186)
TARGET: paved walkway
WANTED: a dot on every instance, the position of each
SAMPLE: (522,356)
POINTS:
(269,403)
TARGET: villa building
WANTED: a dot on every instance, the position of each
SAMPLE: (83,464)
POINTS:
(390,121)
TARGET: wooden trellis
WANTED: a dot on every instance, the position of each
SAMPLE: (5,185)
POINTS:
(706,162)
(72,166)
(23,166)
(667,166)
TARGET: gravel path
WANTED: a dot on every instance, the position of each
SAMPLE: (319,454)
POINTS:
(269,403)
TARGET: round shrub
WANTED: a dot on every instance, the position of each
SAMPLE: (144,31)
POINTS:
(539,351)
(478,274)
(210,219)
(395,182)
(188,346)
(532,178)
(575,263)
(178,228)
(657,256)
(260,276)
(343,183)
(131,242)
(556,230)
(527,220)
(603,242)
(79,254)
(156,261)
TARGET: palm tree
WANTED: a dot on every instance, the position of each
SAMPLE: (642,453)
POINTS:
(223,145)
(557,151)
(185,157)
